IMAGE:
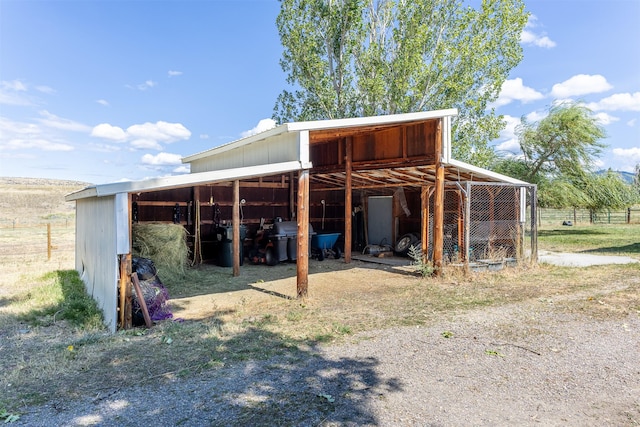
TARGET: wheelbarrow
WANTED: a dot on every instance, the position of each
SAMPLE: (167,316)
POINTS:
(324,245)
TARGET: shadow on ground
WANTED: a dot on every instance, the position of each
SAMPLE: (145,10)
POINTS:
(185,374)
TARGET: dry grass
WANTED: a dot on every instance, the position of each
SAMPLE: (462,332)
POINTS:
(229,319)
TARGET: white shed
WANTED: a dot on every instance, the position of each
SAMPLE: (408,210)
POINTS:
(319,161)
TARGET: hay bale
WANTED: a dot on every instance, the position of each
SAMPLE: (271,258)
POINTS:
(165,245)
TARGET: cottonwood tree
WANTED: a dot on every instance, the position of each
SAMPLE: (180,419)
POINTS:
(351,58)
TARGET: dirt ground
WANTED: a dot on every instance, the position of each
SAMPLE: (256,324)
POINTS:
(546,346)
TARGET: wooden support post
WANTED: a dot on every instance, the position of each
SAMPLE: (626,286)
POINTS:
(438,205)
(141,301)
(424,234)
(124,303)
(236,228)
(347,202)
(303,235)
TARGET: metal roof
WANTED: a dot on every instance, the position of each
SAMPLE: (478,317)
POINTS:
(320,125)
(317,130)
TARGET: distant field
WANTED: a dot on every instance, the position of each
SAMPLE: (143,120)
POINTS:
(27,205)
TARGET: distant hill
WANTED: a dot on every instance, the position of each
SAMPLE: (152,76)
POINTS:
(626,176)
(42,182)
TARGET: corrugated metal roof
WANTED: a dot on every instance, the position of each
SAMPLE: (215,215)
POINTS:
(186,180)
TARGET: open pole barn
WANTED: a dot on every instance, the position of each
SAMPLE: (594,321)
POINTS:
(371,184)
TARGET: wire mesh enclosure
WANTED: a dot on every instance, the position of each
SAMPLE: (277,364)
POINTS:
(487,223)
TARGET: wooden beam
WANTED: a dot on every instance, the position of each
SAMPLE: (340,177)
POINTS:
(438,205)
(347,202)
(141,301)
(124,302)
(424,234)
(302,265)
(236,228)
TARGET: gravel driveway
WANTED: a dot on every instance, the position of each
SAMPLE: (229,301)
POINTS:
(524,364)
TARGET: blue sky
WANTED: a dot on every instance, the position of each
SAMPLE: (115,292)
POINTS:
(101,91)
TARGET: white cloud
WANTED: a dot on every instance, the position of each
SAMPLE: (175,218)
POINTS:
(182,169)
(146,85)
(630,155)
(45,89)
(536,116)
(539,40)
(605,119)
(204,136)
(53,121)
(618,102)
(173,73)
(162,159)
(581,84)
(13,93)
(514,90)
(631,123)
(144,136)
(510,146)
(263,125)
(103,102)
(107,131)
(21,135)
(14,85)
(35,143)
(159,131)
(146,144)
(530,37)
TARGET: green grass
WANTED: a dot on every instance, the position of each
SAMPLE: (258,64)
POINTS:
(61,296)
(622,239)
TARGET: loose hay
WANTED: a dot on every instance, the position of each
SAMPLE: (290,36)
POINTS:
(165,244)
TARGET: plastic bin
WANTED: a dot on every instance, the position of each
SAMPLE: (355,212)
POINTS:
(225,245)
(285,240)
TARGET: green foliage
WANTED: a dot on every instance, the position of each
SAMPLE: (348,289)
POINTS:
(8,417)
(422,266)
(558,153)
(350,58)
(63,297)
(564,143)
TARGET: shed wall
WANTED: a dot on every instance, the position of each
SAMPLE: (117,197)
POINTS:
(96,253)
(280,148)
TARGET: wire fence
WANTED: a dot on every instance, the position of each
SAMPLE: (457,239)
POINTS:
(35,242)
(584,216)
(484,221)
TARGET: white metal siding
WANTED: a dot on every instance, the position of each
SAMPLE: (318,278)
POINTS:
(278,149)
(96,255)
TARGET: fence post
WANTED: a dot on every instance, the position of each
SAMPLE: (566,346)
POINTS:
(628,215)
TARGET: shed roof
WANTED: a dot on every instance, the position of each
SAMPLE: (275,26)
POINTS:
(315,131)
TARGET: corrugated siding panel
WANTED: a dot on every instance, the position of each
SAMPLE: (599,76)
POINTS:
(281,148)
(96,258)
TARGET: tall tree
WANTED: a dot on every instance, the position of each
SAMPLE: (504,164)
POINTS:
(558,154)
(350,58)
(565,144)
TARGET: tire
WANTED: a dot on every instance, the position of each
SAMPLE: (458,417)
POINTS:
(321,255)
(404,243)
(337,253)
(270,256)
